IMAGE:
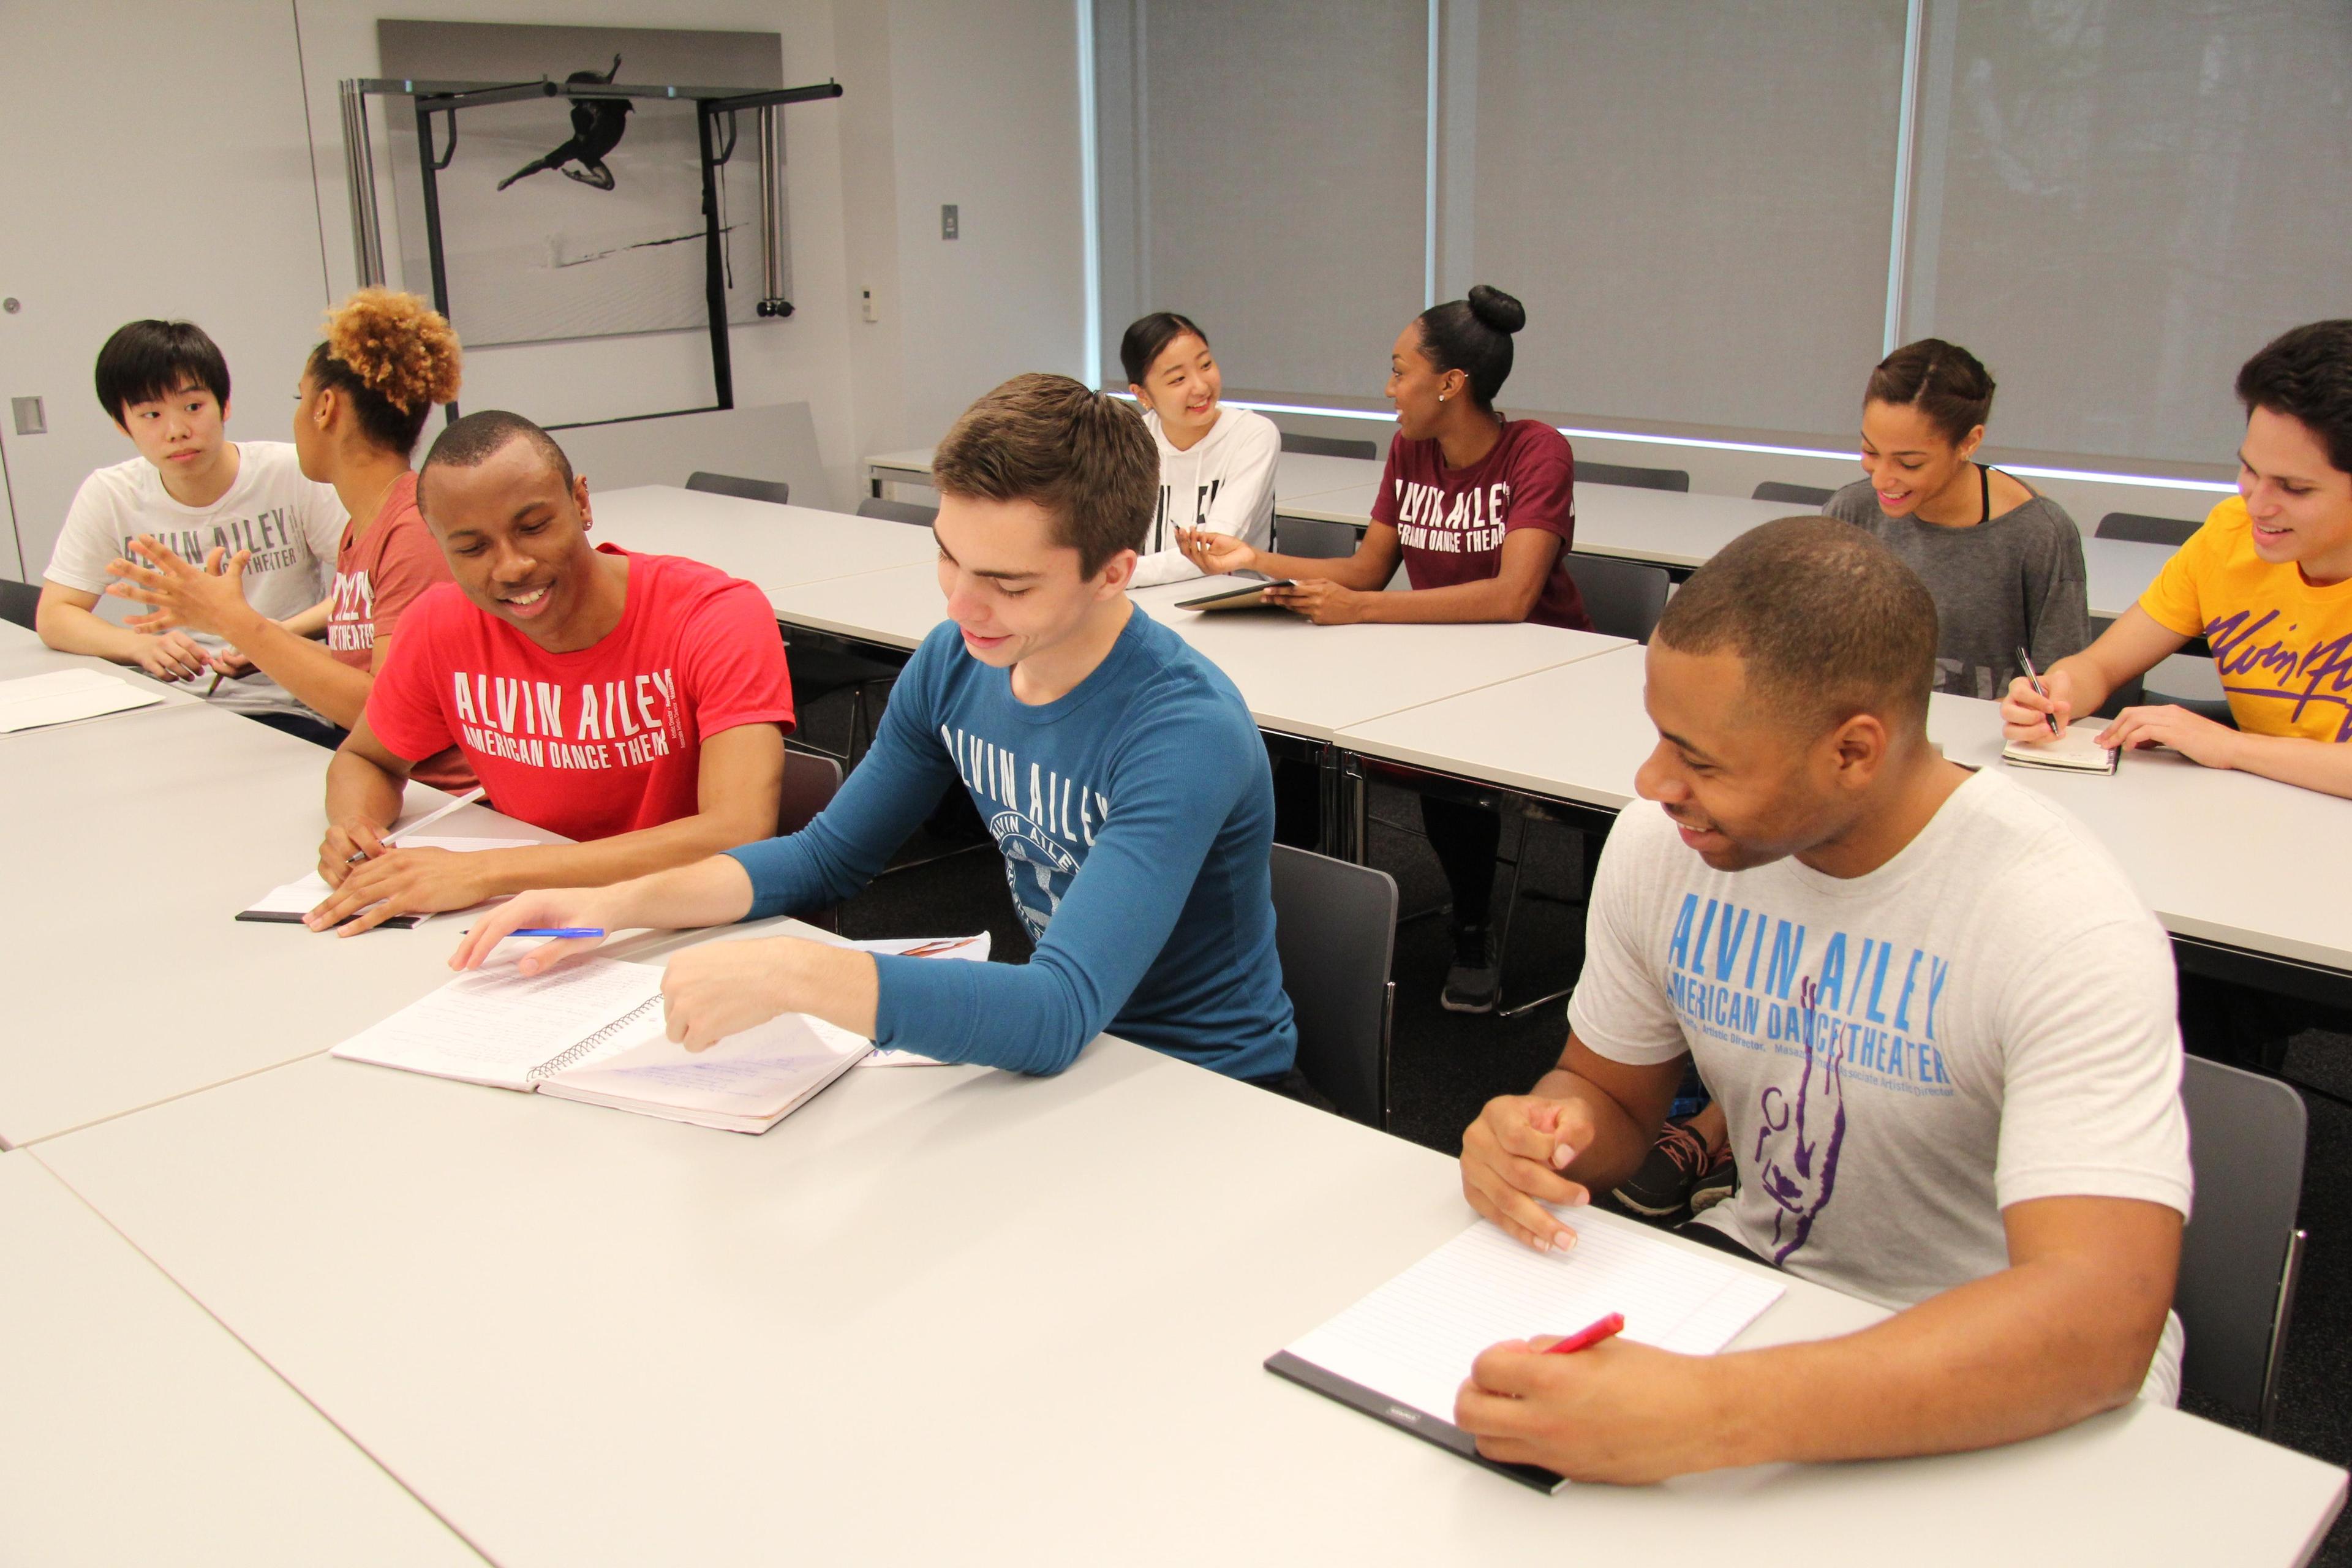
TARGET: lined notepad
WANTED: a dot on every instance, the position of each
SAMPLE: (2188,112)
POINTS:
(2075,752)
(1409,1343)
(63,695)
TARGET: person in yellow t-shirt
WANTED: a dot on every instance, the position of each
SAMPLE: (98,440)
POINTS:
(2267,582)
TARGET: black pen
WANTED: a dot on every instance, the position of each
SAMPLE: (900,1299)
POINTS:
(2040,690)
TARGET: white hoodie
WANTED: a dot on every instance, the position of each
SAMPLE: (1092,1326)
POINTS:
(1224,484)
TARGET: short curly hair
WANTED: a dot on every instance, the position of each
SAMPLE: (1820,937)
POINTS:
(2307,374)
(394,357)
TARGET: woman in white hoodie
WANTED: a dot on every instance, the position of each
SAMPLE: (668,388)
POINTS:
(1216,464)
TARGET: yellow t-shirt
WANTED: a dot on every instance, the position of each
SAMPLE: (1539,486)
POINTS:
(2283,646)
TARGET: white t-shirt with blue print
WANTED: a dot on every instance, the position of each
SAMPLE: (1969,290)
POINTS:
(1987,1018)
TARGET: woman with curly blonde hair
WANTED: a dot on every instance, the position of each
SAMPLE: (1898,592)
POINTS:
(362,401)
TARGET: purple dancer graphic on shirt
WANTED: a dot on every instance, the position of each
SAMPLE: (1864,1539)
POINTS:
(1797,1146)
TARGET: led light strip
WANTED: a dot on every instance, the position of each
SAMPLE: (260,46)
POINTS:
(2206,487)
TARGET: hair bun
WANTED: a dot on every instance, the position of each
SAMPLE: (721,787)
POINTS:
(1496,310)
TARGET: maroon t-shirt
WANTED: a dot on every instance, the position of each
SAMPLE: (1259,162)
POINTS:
(1451,522)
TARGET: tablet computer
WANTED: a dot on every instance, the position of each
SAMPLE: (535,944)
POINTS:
(1249,596)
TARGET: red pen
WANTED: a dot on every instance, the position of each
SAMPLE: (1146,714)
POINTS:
(1585,1339)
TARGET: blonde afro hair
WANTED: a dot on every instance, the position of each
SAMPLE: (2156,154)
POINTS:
(394,357)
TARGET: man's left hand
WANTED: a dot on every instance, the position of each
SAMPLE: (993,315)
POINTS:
(402,882)
(722,988)
(1618,1412)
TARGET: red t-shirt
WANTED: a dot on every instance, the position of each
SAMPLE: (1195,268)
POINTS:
(603,740)
(1451,522)
(377,576)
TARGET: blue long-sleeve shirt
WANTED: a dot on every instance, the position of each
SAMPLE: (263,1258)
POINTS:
(1136,819)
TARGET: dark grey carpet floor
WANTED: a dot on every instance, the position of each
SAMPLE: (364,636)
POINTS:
(1446,1065)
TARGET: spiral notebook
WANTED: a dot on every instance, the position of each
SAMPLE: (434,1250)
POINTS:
(1399,1354)
(594,1031)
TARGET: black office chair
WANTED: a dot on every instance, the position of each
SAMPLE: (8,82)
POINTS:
(2144,529)
(18,600)
(1624,598)
(774,492)
(1638,479)
(898,511)
(810,782)
(1328,446)
(2241,1252)
(1796,495)
(1335,929)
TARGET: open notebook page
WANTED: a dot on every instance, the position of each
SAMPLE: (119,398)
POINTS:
(493,1025)
(1414,1339)
(63,695)
(745,1082)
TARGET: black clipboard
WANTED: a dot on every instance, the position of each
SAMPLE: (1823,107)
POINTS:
(1404,1418)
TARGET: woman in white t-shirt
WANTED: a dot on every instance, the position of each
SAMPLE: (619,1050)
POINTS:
(1216,464)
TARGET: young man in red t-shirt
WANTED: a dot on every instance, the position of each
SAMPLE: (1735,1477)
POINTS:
(637,703)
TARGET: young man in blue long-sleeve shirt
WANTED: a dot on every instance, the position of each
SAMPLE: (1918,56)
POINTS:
(1119,771)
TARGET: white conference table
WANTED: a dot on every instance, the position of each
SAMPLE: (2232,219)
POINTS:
(132,842)
(134,1429)
(767,545)
(1577,733)
(1313,681)
(22,653)
(948,1315)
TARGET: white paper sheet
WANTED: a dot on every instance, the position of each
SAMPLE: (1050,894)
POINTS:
(63,695)
(302,896)
(493,1025)
(1414,1339)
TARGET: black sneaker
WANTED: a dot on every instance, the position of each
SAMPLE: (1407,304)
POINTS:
(1716,1183)
(1475,984)
(1662,1186)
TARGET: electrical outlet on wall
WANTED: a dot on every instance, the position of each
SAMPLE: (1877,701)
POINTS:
(31,418)
(865,305)
(948,223)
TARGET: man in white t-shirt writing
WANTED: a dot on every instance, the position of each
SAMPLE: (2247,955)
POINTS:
(1940,1023)
(165,385)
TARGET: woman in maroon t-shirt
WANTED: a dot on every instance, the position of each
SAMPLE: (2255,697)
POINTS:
(1480,510)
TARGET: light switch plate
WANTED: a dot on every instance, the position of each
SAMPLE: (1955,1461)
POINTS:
(948,223)
(31,420)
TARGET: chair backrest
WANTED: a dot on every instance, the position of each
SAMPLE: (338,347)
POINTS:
(776,491)
(898,510)
(1624,598)
(2144,529)
(18,600)
(2241,1251)
(809,785)
(1334,927)
(1328,446)
(1640,478)
(1314,538)
(1796,495)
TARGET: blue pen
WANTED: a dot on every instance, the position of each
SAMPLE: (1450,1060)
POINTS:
(559,930)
